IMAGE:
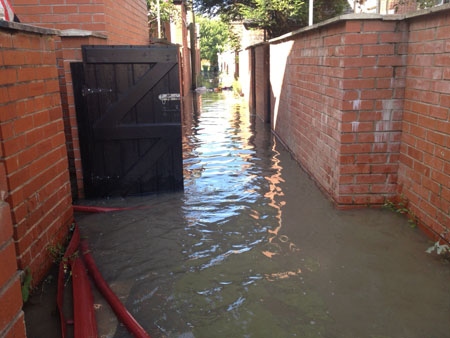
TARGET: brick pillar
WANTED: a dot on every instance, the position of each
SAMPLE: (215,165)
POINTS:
(374,58)
(69,51)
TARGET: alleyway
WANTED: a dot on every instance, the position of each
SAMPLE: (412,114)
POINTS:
(252,248)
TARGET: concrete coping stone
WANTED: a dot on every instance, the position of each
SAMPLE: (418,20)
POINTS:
(81,33)
(360,16)
(16,26)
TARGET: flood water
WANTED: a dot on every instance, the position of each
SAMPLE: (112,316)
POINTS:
(252,248)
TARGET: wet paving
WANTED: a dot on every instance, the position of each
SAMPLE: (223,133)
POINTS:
(252,248)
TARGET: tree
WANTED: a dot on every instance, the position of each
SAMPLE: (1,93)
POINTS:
(215,37)
(277,17)
(167,13)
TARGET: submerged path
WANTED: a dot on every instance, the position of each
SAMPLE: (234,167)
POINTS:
(252,248)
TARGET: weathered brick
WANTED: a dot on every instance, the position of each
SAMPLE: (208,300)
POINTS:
(11,300)
(17,327)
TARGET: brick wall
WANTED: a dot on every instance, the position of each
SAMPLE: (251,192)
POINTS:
(68,14)
(11,314)
(262,70)
(402,6)
(338,103)
(124,22)
(373,91)
(362,102)
(33,146)
(424,175)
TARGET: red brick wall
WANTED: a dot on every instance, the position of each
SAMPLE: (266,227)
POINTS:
(363,105)
(68,14)
(124,22)
(424,174)
(33,145)
(11,316)
(307,114)
(373,85)
(340,106)
(402,6)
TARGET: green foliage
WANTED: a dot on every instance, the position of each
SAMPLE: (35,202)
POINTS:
(167,11)
(421,4)
(426,3)
(237,88)
(277,17)
(26,285)
(215,37)
(56,252)
(401,207)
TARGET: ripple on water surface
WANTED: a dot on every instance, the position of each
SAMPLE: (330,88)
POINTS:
(251,248)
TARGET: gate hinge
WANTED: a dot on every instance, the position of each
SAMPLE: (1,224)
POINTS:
(87,91)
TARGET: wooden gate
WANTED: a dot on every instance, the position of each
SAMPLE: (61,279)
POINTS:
(128,112)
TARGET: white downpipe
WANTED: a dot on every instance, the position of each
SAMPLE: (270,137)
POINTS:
(311,4)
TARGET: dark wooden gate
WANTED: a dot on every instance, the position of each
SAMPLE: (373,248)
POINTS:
(129,119)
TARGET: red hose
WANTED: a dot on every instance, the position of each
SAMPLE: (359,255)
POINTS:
(119,309)
(94,209)
(63,266)
(85,325)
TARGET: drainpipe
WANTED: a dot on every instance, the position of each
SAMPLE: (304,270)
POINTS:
(311,5)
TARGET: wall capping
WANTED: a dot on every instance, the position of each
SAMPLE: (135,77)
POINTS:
(359,16)
(16,26)
(81,33)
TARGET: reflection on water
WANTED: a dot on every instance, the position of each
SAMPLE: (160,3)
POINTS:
(253,249)
(232,205)
(231,192)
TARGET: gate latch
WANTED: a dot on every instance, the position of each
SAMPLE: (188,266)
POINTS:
(168,97)
(87,91)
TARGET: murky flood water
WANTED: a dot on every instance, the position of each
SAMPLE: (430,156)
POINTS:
(252,248)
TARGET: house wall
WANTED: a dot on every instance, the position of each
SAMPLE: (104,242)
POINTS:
(362,102)
(33,163)
(124,22)
(57,14)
